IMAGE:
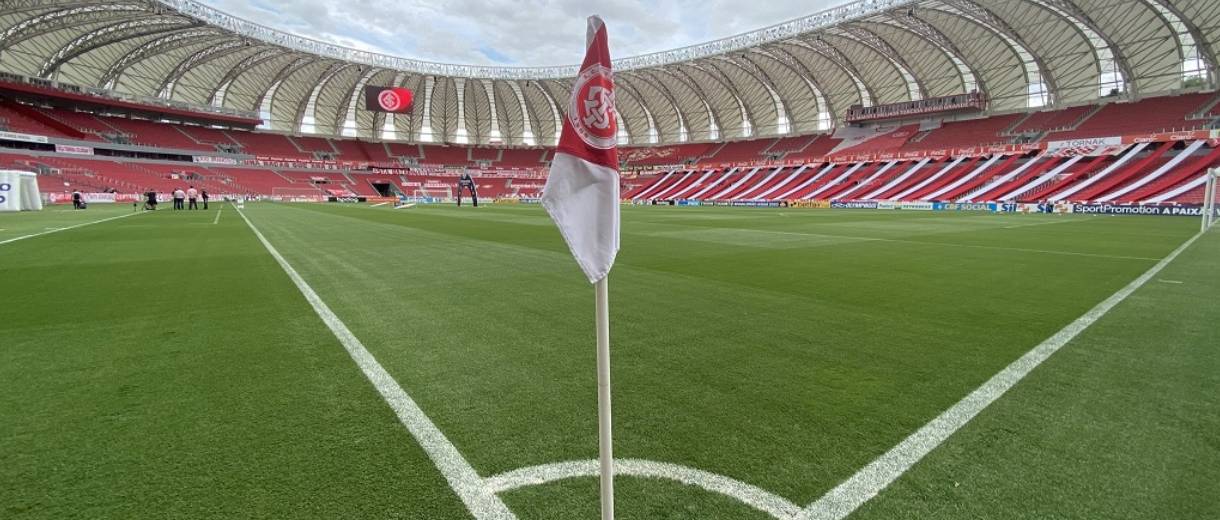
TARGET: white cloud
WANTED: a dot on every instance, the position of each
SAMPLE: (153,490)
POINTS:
(514,32)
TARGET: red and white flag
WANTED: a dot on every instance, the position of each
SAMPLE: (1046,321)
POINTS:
(582,190)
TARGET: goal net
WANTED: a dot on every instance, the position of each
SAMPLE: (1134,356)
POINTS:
(1211,195)
(310,194)
(433,193)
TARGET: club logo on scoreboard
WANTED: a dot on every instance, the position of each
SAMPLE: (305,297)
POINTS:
(396,100)
(591,110)
(389,100)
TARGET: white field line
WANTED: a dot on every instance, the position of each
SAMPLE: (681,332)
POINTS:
(873,478)
(57,230)
(479,498)
(378,204)
(747,494)
(1066,220)
(217,219)
(969,246)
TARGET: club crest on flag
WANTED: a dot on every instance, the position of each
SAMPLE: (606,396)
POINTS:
(591,109)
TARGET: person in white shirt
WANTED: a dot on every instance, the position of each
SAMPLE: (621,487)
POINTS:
(179,196)
(191,195)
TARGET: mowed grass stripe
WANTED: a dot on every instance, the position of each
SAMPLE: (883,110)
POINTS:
(464,480)
(19,226)
(1120,424)
(163,366)
(872,479)
(728,359)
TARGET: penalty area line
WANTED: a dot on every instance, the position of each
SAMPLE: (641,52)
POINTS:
(880,473)
(57,230)
(474,492)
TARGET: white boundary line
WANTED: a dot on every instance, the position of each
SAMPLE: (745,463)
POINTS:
(479,498)
(747,494)
(873,478)
(480,495)
(57,230)
(217,219)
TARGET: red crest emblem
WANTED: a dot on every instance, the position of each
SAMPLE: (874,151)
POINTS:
(591,110)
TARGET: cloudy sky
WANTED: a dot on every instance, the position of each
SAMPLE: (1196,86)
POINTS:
(515,32)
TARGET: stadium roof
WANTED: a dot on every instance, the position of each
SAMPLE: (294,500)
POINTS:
(797,77)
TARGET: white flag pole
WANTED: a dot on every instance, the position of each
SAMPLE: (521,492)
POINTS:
(604,437)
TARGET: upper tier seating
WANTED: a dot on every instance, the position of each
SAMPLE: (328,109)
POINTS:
(12,120)
(151,133)
(1053,120)
(272,145)
(657,155)
(313,144)
(1163,114)
(446,155)
(739,152)
(93,127)
(209,136)
(964,134)
(354,150)
(791,144)
(515,158)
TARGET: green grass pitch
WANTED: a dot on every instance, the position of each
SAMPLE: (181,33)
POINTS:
(164,365)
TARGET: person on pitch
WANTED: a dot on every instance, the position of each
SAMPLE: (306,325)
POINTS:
(465,182)
(179,198)
(204,194)
(192,195)
(78,200)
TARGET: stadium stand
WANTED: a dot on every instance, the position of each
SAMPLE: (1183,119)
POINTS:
(753,169)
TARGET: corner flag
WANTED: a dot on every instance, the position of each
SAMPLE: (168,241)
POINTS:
(581,192)
(581,195)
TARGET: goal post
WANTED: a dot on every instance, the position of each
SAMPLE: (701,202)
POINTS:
(1211,193)
(435,193)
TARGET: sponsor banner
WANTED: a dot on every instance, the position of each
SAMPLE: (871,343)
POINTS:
(93,198)
(1088,144)
(917,206)
(817,204)
(1136,209)
(886,204)
(758,204)
(29,138)
(963,206)
(853,204)
(976,151)
(212,159)
(73,149)
(690,202)
(298,198)
(1157,137)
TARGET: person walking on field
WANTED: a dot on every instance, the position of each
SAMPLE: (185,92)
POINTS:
(205,199)
(179,196)
(191,195)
